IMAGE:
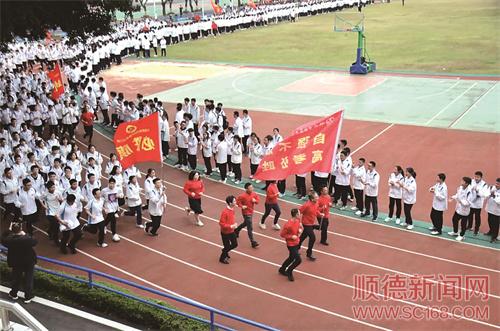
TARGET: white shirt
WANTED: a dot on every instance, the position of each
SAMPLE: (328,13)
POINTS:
(157,202)
(372,181)
(9,188)
(238,127)
(462,197)
(237,153)
(479,192)
(409,190)
(359,175)
(192,145)
(395,191)
(133,195)
(26,201)
(493,201)
(95,207)
(110,197)
(256,154)
(69,214)
(440,199)
(344,172)
(221,152)
(247,125)
(52,202)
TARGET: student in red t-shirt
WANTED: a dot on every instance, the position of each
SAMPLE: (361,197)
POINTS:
(246,201)
(291,232)
(324,204)
(310,213)
(227,226)
(272,194)
(88,123)
(194,189)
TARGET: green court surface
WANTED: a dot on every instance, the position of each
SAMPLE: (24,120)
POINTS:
(424,101)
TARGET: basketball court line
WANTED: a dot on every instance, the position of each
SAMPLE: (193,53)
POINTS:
(449,104)
(455,122)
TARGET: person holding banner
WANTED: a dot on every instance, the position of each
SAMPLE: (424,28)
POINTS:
(310,212)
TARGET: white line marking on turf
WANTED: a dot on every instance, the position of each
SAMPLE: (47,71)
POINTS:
(439,93)
(455,122)
(373,138)
(449,104)
(76,312)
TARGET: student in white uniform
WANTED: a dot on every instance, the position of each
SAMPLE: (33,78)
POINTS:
(221,157)
(256,155)
(359,176)
(111,194)
(26,201)
(462,208)
(206,151)
(165,134)
(343,178)
(192,149)
(157,204)
(51,201)
(395,193)
(439,204)
(409,186)
(67,217)
(95,220)
(493,210)
(371,191)
(237,157)
(148,185)
(479,190)
(134,201)
(9,186)
(247,130)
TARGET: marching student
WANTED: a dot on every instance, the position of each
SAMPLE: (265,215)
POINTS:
(271,203)
(228,134)
(165,134)
(395,193)
(192,148)
(227,229)
(493,209)
(157,205)
(371,191)
(324,204)
(359,176)
(256,155)
(194,189)
(9,186)
(409,186)
(236,158)
(247,201)
(480,191)
(221,157)
(95,218)
(111,194)
(310,213)
(75,190)
(247,130)
(291,232)
(343,178)
(51,201)
(206,151)
(134,201)
(462,208)
(67,216)
(116,174)
(439,204)
(26,201)
(148,185)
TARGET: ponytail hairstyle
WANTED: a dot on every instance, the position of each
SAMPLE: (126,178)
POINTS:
(411,172)
(401,171)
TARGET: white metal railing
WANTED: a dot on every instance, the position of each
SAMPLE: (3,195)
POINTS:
(7,307)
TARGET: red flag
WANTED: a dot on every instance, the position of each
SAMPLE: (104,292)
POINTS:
(217,9)
(312,148)
(56,78)
(252,4)
(138,141)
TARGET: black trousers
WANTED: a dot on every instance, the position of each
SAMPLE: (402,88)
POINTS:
(308,232)
(281,186)
(371,202)
(12,212)
(343,192)
(332,188)
(192,161)
(29,220)
(319,183)
(407,209)
(245,144)
(493,222)
(208,165)
(392,202)
(155,224)
(96,228)
(111,219)
(293,260)
(358,195)
(77,234)
(323,226)
(223,170)
(53,228)
(229,164)
(253,168)
(237,171)
(463,223)
(474,213)
(183,156)
(230,242)
(300,182)
(165,148)
(20,273)
(163,52)
(89,131)
(269,207)
(437,219)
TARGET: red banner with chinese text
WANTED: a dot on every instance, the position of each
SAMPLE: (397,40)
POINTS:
(57,82)
(310,148)
(138,141)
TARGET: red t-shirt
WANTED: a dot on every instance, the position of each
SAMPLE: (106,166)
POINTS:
(194,186)
(88,119)
(290,229)
(309,212)
(272,194)
(245,199)
(226,220)
(324,204)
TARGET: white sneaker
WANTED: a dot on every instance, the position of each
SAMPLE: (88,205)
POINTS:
(116,215)
(358,212)
(430,228)
(398,221)
(103,245)
(281,195)
(354,208)
(257,181)
(116,237)
(262,226)
(452,233)
(434,232)
(230,174)
(140,226)
(199,223)
(388,219)
(410,227)
(276,227)
(237,181)
(459,238)
(403,224)
(216,170)
(251,177)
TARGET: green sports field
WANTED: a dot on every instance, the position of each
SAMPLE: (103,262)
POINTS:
(444,36)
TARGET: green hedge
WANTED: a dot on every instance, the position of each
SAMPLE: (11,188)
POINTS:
(109,304)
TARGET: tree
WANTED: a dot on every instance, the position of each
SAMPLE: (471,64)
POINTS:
(32,19)
(143,4)
(163,5)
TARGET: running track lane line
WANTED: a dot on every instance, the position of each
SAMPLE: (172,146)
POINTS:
(216,275)
(373,138)
(322,252)
(472,106)
(449,104)
(350,219)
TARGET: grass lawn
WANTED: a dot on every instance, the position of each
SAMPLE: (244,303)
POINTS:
(445,36)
